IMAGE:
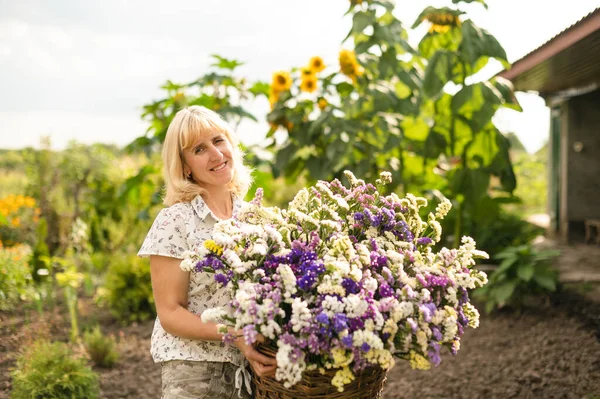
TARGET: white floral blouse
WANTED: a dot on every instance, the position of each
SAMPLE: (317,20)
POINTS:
(178,228)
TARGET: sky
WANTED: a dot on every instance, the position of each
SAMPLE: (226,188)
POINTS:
(82,70)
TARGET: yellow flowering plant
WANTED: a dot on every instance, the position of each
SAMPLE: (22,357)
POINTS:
(19,216)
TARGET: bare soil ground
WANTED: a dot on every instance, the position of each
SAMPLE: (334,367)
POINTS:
(550,349)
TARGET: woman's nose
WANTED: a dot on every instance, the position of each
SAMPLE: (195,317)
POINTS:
(215,153)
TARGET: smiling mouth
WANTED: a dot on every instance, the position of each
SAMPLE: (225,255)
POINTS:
(220,167)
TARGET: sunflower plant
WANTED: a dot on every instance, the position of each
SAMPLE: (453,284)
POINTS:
(387,105)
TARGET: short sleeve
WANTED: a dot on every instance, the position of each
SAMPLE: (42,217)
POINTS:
(167,236)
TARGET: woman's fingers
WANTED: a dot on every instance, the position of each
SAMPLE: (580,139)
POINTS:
(259,357)
(263,370)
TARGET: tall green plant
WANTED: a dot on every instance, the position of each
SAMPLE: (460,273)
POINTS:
(417,112)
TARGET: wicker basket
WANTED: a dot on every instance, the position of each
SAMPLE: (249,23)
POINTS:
(314,385)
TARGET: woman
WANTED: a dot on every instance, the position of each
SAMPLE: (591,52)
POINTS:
(205,182)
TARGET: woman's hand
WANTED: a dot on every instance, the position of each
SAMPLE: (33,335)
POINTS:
(263,366)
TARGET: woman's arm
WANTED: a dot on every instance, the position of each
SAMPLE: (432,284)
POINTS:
(170,288)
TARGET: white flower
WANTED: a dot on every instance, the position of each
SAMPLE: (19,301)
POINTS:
(443,208)
(288,279)
(287,371)
(331,305)
(355,306)
(187,264)
(301,315)
(215,315)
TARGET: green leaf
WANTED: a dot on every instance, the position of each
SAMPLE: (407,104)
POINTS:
(505,87)
(438,73)
(504,291)
(259,88)
(224,63)
(482,2)
(546,280)
(477,43)
(525,271)
(344,89)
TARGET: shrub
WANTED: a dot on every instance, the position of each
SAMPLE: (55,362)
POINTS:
(102,349)
(524,271)
(128,289)
(49,370)
(16,282)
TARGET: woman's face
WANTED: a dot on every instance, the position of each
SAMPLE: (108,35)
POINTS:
(210,161)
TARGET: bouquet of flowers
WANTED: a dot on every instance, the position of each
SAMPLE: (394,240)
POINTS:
(343,279)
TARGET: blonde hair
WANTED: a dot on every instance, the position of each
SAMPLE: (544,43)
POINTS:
(188,126)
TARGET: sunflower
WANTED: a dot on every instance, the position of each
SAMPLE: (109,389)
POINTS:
(307,73)
(316,64)
(282,81)
(348,63)
(309,84)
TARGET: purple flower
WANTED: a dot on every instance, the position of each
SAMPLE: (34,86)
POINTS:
(347,341)
(365,347)
(424,241)
(340,322)
(356,324)
(322,318)
(350,286)
(222,279)
(385,290)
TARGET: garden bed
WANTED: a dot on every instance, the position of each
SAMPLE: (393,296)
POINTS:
(551,350)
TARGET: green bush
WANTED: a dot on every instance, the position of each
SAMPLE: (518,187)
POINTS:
(49,370)
(16,282)
(102,349)
(128,289)
(523,272)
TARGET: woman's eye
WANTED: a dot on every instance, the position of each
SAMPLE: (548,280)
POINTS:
(198,150)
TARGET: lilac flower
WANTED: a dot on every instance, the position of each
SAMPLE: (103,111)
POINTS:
(428,310)
(436,333)
(250,334)
(434,353)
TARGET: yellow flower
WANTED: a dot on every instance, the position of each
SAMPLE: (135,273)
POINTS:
(16,222)
(309,84)
(179,97)
(316,64)
(322,103)
(307,72)
(282,81)
(439,28)
(273,98)
(418,362)
(348,64)
(213,247)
